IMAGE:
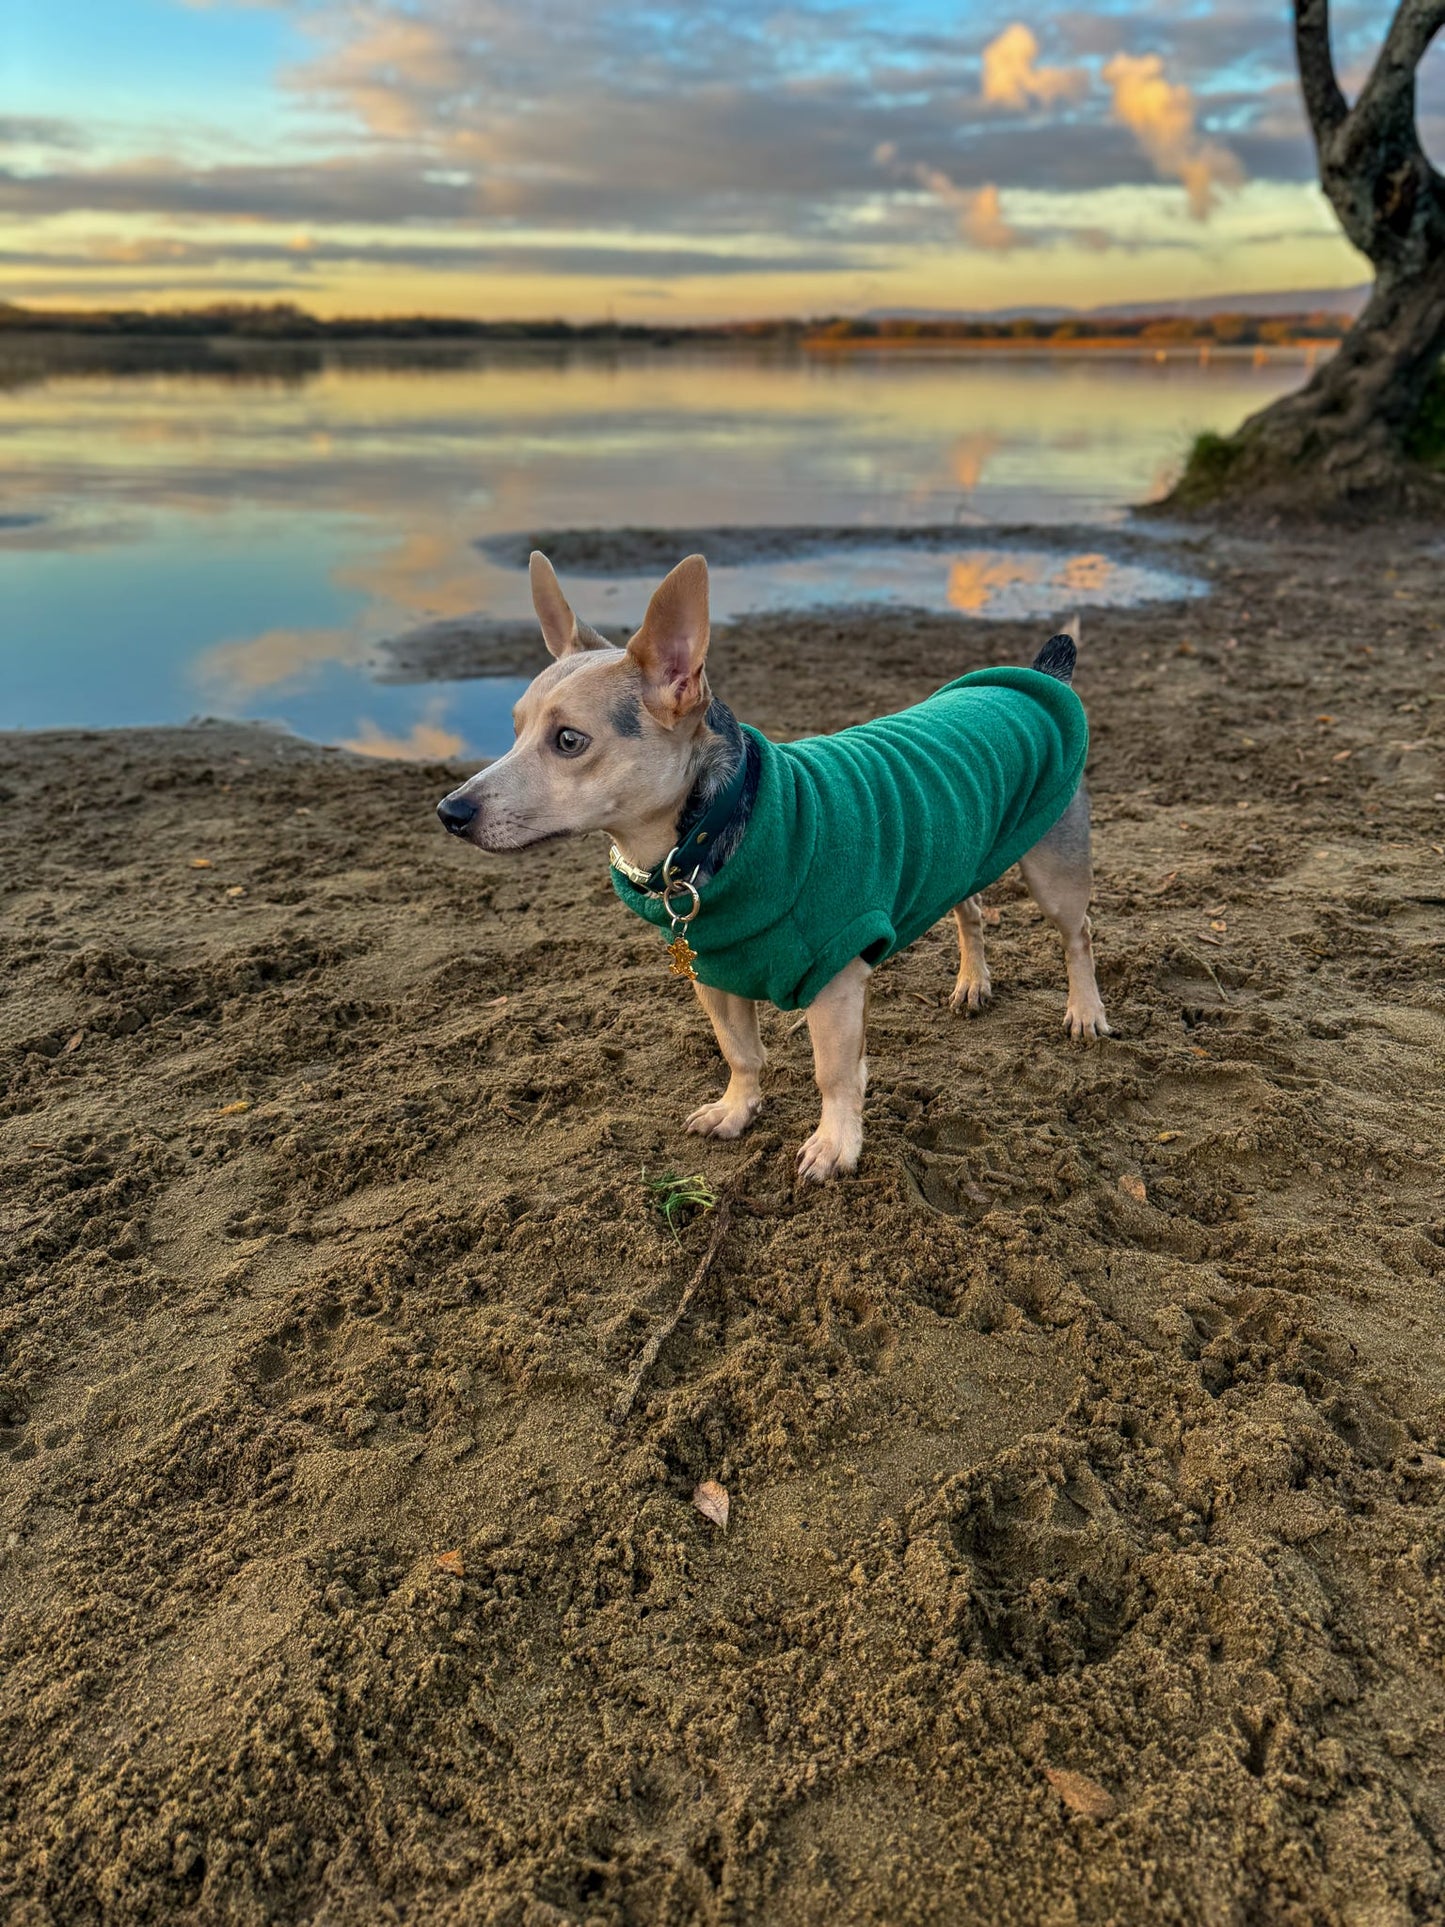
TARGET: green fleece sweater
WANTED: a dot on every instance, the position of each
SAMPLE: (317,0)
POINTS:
(860,842)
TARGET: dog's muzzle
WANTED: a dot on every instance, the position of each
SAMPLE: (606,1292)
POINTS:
(457,814)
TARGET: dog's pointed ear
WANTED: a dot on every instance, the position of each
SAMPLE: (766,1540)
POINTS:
(563,634)
(671,646)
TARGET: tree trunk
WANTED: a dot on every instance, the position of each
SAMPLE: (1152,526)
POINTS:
(1347,438)
(1354,436)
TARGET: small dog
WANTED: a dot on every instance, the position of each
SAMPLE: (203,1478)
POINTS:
(795,868)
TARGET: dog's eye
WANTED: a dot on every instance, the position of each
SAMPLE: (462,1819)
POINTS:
(570,742)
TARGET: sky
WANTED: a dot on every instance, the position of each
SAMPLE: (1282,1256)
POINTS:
(665,162)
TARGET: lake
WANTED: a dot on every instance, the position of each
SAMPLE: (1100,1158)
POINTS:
(176,543)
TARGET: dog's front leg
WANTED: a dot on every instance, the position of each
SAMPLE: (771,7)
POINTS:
(838,1025)
(735,1021)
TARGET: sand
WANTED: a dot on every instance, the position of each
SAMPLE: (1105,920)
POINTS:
(1085,1452)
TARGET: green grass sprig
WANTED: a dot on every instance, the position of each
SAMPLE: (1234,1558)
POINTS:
(677,1200)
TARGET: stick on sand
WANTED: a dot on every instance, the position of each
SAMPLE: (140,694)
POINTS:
(647,1357)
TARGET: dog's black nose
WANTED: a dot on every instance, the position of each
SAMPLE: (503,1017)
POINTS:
(457,814)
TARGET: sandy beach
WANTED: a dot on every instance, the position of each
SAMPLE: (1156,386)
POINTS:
(1085,1453)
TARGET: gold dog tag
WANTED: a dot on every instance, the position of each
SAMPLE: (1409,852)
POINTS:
(681,953)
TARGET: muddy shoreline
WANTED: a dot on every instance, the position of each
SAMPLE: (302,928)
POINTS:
(478,645)
(1097,1428)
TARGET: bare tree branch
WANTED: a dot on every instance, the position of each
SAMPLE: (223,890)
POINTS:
(1389,93)
(1383,118)
(1415,25)
(1324,102)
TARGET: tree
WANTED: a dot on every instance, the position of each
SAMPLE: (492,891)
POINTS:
(1355,434)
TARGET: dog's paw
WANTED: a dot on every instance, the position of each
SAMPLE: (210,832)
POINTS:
(1086,1021)
(971,995)
(825,1156)
(724,1119)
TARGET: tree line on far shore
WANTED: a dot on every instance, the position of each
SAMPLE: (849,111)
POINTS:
(285,322)
(1162,330)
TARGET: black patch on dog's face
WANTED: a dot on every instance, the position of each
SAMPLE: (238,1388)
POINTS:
(626,716)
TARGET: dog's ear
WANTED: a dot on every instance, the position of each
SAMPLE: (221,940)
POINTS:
(563,634)
(671,646)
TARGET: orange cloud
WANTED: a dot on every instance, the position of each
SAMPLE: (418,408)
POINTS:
(389,73)
(982,222)
(1012,76)
(1160,115)
(981,219)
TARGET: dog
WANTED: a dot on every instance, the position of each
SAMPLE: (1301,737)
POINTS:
(789,871)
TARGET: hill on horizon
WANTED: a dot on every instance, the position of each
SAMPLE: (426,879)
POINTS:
(1280,301)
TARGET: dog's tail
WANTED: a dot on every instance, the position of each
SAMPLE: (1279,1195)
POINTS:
(1060,653)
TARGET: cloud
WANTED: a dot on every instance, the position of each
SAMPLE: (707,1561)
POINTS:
(34,130)
(627,144)
(569,115)
(1013,78)
(349,187)
(980,213)
(296,264)
(1160,115)
(981,221)
(389,69)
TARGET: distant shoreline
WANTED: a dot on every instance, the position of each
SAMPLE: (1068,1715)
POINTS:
(58,346)
(284,326)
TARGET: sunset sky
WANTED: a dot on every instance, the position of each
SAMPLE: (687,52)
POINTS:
(662,161)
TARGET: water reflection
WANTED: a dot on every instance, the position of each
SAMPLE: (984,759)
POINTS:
(239,539)
(428,739)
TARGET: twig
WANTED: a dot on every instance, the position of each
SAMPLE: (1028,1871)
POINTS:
(1205,964)
(647,1357)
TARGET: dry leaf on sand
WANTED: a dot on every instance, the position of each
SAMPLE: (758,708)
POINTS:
(451,1562)
(235,1110)
(1133,1187)
(711,1500)
(1080,1794)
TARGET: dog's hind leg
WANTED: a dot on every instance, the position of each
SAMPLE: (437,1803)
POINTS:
(1060,877)
(735,1022)
(974,987)
(838,1025)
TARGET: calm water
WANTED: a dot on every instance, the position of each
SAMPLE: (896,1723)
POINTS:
(175,545)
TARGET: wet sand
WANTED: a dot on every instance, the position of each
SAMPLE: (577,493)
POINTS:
(1097,1428)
